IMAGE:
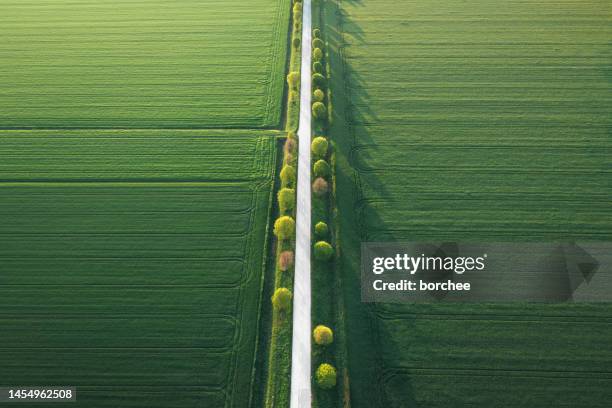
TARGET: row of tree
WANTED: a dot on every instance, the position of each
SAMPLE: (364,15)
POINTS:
(284,226)
(323,251)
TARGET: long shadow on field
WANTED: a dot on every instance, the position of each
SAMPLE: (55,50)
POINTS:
(355,113)
(351,102)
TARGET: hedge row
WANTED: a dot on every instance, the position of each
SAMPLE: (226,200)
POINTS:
(293,77)
(325,375)
(279,358)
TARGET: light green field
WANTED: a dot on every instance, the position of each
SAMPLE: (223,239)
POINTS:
(136,179)
(474,121)
(142,64)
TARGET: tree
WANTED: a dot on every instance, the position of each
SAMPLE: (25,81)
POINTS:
(317,67)
(323,335)
(319,146)
(284,227)
(297,7)
(290,145)
(321,229)
(316,33)
(319,110)
(321,169)
(289,158)
(286,199)
(320,186)
(318,43)
(293,79)
(285,260)
(323,251)
(287,176)
(318,95)
(326,376)
(318,80)
(282,298)
(317,54)
(296,42)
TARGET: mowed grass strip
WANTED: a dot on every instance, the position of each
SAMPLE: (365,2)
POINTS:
(142,64)
(134,210)
(471,121)
(211,155)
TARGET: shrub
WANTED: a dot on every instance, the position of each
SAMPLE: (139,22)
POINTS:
(282,299)
(319,146)
(285,260)
(297,14)
(297,7)
(326,376)
(320,186)
(317,67)
(293,79)
(289,158)
(321,169)
(318,95)
(318,43)
(316,33)
(286,199)
(293,96)
(287,176)
(317,54)
(323,251)
(284,227)
(319,110)
(321,229)
(323,335)
(318,80)
(296,42)
(290,144)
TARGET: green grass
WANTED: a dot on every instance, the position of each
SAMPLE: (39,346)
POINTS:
(473,121)
(142,64)
(136,287)
(161,155)
(136,180)
(277,391)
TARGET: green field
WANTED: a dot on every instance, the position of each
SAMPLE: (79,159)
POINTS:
(129,286)
(137,160)
(142,64)
(474,121)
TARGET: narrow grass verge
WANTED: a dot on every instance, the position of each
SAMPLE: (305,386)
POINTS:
(278,370)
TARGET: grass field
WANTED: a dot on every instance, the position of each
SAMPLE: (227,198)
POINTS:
(473,121)
(142,64)
(137,160)
(147,289)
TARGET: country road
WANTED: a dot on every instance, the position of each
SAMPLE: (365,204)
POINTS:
(300,358)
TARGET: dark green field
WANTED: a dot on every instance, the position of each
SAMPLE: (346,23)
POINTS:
(140,288)
(475,121)
(136,180)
